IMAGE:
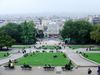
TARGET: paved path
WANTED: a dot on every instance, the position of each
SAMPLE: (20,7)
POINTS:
(40,71)
(70,53)
(13,57)
(77,59)
(84,50)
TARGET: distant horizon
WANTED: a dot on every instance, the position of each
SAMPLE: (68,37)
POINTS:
(51,14)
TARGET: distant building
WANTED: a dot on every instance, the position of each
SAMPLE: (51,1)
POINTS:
(53,29)
(96,20)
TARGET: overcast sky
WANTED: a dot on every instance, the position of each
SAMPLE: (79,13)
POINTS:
(49,6)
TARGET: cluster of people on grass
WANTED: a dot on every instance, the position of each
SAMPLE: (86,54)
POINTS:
(26,67)
(68,66)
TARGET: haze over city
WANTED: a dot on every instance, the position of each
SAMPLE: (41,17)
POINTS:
(45,7)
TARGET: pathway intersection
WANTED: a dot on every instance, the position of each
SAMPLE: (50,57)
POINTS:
(77,59)
(74,57)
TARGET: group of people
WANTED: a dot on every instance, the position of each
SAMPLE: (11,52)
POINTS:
(90,71)
(48,67)
(10,64)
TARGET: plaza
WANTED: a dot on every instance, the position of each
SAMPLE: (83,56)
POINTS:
(40,71)
(37,58)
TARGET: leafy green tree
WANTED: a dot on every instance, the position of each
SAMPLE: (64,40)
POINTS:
(24,33)
(28,33)
(78,31)
(5,40)
(40,34)
(95,34)
(11,29)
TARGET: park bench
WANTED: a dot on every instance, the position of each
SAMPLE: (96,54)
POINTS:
(9,67)
(26,67)
(49,68)
(66,69)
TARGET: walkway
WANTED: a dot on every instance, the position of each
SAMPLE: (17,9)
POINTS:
(40,71)
(84,50)
(77,59)
(13,56)
(70,53)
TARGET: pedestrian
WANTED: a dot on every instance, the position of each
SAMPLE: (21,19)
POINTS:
(86,49)
(89,71)
(98,70)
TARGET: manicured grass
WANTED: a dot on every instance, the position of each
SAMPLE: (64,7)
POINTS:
(93,56)
(40,59)
(96,49)
(80,46)
(21,46)
(50,47)
(3,54)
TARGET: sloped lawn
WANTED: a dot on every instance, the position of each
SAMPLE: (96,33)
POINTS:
(93,56)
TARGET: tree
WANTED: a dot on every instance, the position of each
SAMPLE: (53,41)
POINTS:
(28,33)
(5,40)
(23,33)
(11,29)
(95,34)
(78,31)
(40,34)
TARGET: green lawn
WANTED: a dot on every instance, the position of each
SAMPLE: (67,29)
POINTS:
(93,56)
(40,59)
(3,54)
(96,49)
(80,46)
(50,47)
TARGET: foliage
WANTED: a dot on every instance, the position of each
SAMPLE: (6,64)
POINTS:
(40,34)
(28,33)
(95,34)
(11,29)
(3,54)
(23,33)
(78,31)
(5,40)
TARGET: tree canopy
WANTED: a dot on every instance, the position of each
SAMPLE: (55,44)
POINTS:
(11,29)
(95,34)
(77,31)
(5,40)
(23,33)
(28,32)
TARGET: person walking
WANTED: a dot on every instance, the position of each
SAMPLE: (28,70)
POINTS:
(98,70)
(89,71)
